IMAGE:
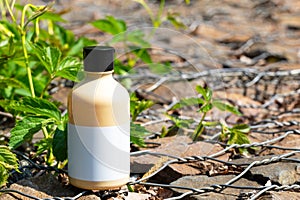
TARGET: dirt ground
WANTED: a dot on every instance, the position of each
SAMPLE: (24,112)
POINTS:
(248,52)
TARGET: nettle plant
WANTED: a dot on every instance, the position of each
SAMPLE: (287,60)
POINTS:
(34,51)
(31,58)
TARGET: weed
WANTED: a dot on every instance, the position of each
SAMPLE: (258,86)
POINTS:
(8,161)
(206,102)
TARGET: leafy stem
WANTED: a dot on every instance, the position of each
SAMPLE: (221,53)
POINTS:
(147,8)
(200,127)
(23,36)
(50,27)
(36,29)
(29,75)
(10,10)
(45,132)
(234,135)
(46,86)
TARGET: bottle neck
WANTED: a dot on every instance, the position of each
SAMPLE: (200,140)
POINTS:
(97,75)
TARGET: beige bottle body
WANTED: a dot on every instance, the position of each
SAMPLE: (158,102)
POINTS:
(99,133)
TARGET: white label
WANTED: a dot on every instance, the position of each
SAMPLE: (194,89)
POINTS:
(98,153)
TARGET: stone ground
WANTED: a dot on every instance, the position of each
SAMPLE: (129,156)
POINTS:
(252,50)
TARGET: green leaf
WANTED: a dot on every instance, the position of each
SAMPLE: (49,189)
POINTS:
(25,129)
(142,54)
(52,17)
(9,29)
(8,157)
(60,150)
(137,134)
(122,69)
(48,56)
(68,68)
(137,106)
(201,90)
(205,92)
(137,37)
(211,123)
(244,128)
(5,103)
(206,107)
(8,161)
(226,107)
(76,48)
(134,38)
(159,68)
(237,137)
(39,11)
(188,102)
(6,82)
(38,107)
(173,18)
(110,25)
(52,56)
(181,123)
(43,145)
(209,94)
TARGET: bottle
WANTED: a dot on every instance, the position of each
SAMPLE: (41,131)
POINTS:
(99,125)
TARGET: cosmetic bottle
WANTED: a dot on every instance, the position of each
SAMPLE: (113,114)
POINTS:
(99,125)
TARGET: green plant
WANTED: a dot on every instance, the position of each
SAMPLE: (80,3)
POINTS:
(206,102)
(137,134)
(158,18)
(134,40)
(31,59)
(177,125)
(137,106)
(8,162)
(236,134)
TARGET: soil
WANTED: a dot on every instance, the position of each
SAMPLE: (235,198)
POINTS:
(247,51)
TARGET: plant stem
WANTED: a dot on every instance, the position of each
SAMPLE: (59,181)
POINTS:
(61,165)
(50,27)
(160,12)
(10,11)
(46,87)
(147,8)
(130,188)
(50,157)
(45,132)
(200,128)
(23,33)
(36,30)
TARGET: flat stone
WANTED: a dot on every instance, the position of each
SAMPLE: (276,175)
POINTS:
(169,145)
(202,181)
(180,146)
(137,196)
(284,195)
(24,189)
(289,19)
(284,173)
(45,186)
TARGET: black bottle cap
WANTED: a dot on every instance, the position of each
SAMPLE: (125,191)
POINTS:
(98,58)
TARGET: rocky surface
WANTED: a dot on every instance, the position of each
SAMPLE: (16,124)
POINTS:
(201,181)
(260,35)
